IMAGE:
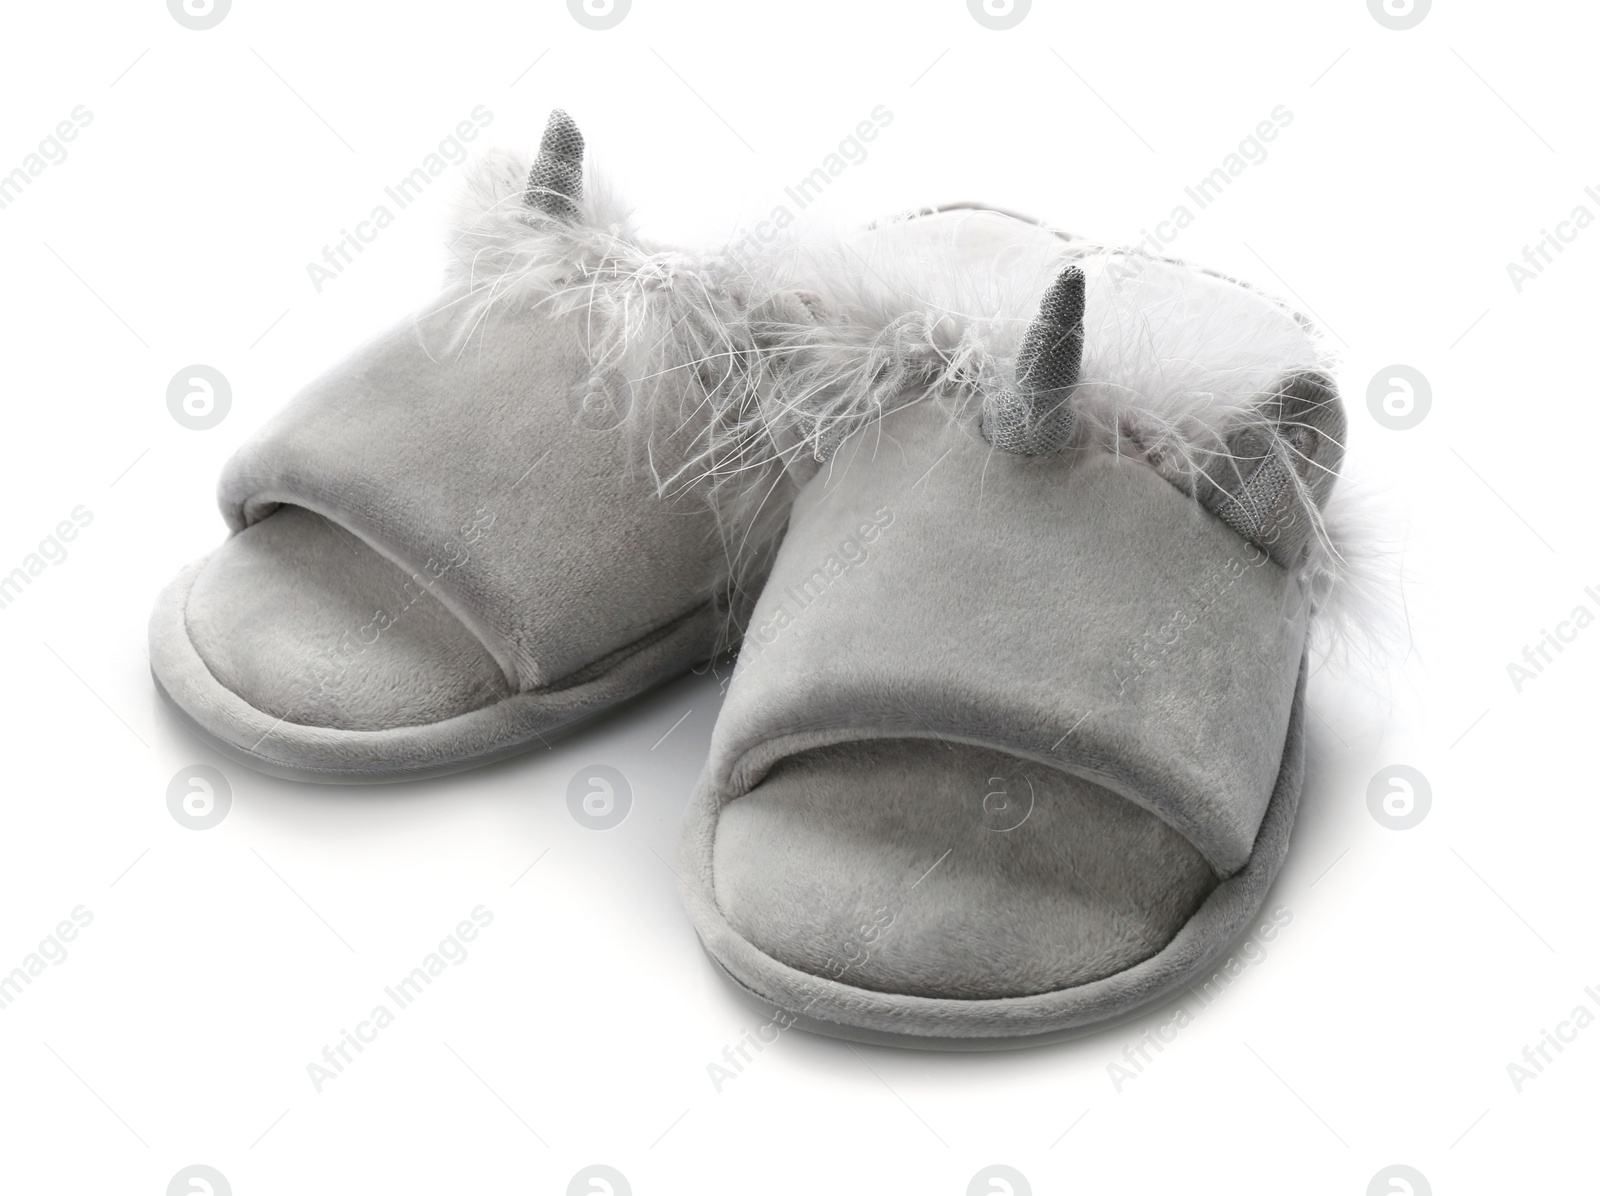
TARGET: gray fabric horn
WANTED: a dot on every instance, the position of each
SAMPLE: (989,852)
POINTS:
(1035,416)
(555,184)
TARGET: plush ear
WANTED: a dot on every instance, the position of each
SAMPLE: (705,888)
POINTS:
(1035,416)
(1279,470)
(555,184)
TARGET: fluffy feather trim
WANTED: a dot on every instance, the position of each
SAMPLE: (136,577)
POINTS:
(755,371)
(1177,369)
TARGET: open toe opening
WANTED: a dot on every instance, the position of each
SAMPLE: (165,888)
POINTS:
(934,869)
(308,623)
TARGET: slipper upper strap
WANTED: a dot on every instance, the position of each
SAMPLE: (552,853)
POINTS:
(1075,610)
(500,475)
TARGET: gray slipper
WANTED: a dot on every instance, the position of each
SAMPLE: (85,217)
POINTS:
(497,519)
(1014,743)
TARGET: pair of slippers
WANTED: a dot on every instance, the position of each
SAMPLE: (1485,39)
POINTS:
(1023,538)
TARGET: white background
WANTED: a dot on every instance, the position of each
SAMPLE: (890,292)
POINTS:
(177,230)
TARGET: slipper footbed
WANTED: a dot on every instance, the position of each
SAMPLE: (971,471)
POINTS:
(309,624)
(940,869)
